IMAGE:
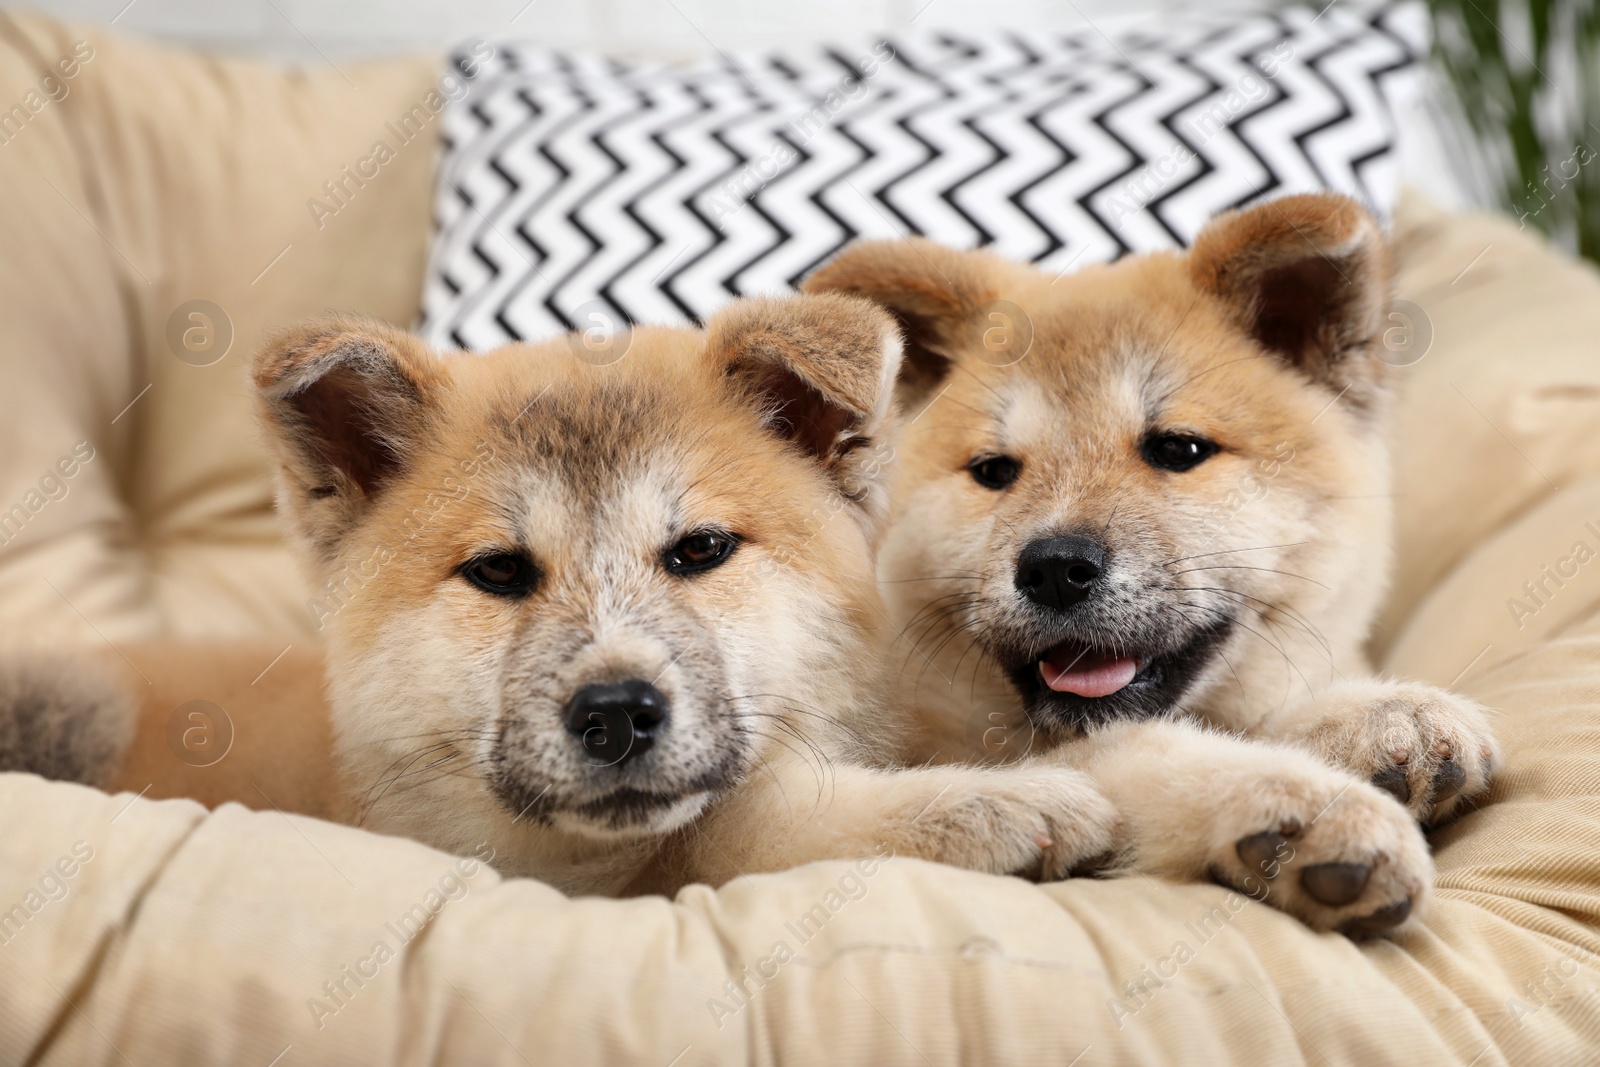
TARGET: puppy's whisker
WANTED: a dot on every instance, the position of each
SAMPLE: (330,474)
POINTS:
(806,753)
(932,578)
(951,618)
(1106,530)
(420,775)
(1224,657)
(935,624)
(387,780)
(955,609)
(951,636)
(1289,660)
(761,762)
(826,778)
(790,704)
(822,769)
(977,664)
(1268,609)
(793,730)
(1241,567)
(940,615)
(932,606)
(1232,551)
(464,734)
(421,779)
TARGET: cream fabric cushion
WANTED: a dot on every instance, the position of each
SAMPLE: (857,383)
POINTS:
(196,936)
(163,178)
(1503,409)
(214,933)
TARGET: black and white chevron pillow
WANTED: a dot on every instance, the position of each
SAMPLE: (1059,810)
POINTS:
(581,192)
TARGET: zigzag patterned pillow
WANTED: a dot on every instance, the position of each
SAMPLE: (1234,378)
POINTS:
(581,192)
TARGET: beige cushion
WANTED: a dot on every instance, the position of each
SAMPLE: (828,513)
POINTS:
(162,178)
(1530,583)
(215,933)
(1504,408)
(200,936)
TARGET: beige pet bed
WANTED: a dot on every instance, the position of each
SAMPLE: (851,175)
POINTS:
(146,931)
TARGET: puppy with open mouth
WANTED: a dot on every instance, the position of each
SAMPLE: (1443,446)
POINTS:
(1154,494)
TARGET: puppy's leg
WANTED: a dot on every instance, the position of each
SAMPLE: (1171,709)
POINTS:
(1269,820)
(1039,820)
(1432,749)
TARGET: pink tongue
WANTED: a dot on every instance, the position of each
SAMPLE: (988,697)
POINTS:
(1092,676)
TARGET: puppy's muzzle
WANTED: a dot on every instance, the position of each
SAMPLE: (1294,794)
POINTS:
(1059,572)
(615,722)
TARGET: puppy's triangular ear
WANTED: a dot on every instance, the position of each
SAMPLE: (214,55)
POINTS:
(1308,278)
(821,370)
(345,403)
(936,294)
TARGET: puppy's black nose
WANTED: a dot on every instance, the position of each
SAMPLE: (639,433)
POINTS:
(1057,572)
(616,721)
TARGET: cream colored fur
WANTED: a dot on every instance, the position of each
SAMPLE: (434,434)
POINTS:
(399,467)
(1266,340)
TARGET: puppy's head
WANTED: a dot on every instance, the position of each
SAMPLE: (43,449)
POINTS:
(576,596)
(1121,482)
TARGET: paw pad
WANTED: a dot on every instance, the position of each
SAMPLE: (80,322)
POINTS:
(1448,780)
(1259,852)
(1379,922)
(1335,884)
(1094,866)
(1392,780)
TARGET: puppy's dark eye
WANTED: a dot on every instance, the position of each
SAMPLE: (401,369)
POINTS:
(700,551)
(994,472)
(1176,451)
(503,574)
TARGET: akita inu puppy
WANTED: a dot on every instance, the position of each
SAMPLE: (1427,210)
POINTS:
(1160,487)
(619,621)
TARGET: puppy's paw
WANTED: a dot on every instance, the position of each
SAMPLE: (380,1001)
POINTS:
(1429,748)
(1041,823)
(1330,849)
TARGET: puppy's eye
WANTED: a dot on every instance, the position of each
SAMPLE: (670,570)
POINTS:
(994,472)
(503,574)
(1176,451)
(700,551)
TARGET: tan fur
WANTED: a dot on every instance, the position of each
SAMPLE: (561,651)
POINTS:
(1264,338)
(399,466)
(271,748)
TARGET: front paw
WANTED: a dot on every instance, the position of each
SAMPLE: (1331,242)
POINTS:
(1040,823)
(1429,748)
(1335,852)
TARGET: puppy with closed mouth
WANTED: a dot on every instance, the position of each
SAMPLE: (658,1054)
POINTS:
(1154,494)
(619,622)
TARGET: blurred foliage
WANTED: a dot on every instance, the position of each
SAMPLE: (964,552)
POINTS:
(1527,73)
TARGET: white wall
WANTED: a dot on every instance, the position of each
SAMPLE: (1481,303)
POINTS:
(304,30)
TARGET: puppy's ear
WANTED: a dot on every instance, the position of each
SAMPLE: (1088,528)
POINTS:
(345,402)
(1307,277)
(821,369)
(936,294)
